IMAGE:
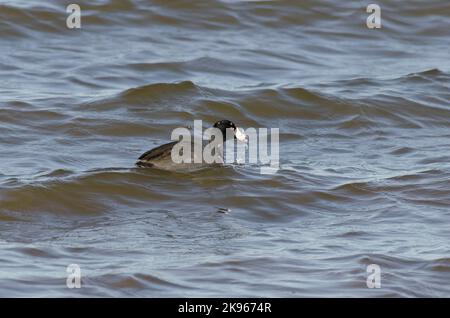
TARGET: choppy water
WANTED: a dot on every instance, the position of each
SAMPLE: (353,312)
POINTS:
(364,124)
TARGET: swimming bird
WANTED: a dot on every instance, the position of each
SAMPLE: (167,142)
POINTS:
(161,157)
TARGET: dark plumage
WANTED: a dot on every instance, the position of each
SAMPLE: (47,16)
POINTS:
(155,153)
(160,157)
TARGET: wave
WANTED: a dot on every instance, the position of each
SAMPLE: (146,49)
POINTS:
(159,90)
(23,19)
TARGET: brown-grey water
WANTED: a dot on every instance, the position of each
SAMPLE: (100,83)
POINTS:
(364,123)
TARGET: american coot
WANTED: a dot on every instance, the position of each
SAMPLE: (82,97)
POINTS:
(161,157)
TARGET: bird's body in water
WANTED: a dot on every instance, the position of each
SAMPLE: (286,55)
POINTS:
(161,157)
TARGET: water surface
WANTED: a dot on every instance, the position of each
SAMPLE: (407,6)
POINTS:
(364,123)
